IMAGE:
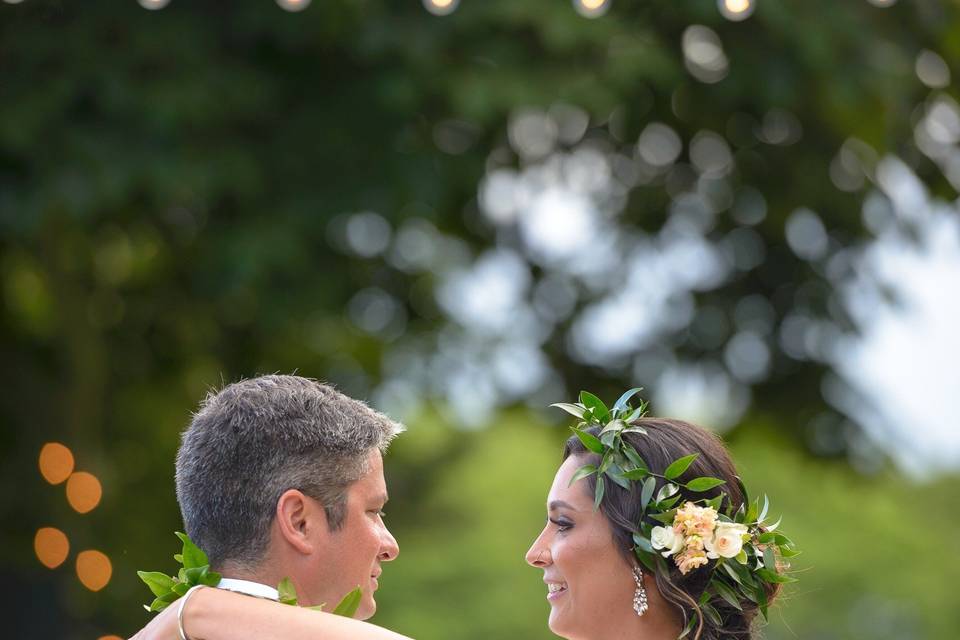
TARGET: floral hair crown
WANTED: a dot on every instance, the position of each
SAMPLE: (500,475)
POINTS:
(749,553)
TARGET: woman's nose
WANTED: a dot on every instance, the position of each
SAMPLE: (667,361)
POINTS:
(538,555)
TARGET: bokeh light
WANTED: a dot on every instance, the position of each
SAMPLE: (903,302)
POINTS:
(703,54)
(83,491)
(94,569)
(441,7)
(293,5)
(51,546)
(591,8)
(109,638)
(932,70)
(882,3)
(736,10)
(153,5)
(56,462)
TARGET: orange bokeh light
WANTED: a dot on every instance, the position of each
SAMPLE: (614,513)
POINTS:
(56,462)
(51,546)
(83,491)
(109,638)
(94,569)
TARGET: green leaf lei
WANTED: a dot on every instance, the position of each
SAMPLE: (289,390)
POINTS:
(737,579)
(195,570)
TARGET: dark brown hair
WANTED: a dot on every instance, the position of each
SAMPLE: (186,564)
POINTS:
(667,440)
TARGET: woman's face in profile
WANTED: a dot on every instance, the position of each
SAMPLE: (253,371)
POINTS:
(590,585)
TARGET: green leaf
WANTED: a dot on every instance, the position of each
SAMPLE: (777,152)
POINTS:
(763,511)
(726,593)
(646,558)
(582,472)
(731,572)
(647,492)
(181,588)
(712,614)
(715,503)
(615,473)
(195,574)
(789,553)
(598,493)
(607,438)
(772,576)
(669,502)
(614,426)
(573,409)
(595,404)
(666,491)
(769,559)
(287,592)
(590,441)
(178,557)
(193,556)
(677,468)
(687,629)
(636,474)
(623,400)
(634,457)
(159,583)
(643,543)
(703,483)
(666,517)
(752,511)
(350,603)
(210,578)
(317,607)
(635,429)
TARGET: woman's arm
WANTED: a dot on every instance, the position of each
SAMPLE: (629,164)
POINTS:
(215,614)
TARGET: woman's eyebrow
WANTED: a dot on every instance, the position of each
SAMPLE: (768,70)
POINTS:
(560,504)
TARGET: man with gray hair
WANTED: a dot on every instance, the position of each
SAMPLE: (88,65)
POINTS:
(282,476)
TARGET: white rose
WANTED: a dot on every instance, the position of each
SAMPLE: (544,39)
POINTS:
(727,540)
(666,538)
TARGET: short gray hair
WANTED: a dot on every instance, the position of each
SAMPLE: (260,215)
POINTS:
(257,438)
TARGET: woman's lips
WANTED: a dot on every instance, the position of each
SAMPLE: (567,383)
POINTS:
(556,590)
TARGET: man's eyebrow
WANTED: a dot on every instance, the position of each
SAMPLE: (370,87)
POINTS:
(560,504)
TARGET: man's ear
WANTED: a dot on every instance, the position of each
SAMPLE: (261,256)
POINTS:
(301,520)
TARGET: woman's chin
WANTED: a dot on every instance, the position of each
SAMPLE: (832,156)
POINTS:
(557,623)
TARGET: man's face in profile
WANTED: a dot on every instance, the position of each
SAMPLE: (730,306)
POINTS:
(356,550)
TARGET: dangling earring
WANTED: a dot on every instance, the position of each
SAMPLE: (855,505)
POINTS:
(640,595)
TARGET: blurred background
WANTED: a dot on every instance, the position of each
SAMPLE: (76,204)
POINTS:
(462,212)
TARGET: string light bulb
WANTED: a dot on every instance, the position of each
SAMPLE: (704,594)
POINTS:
(441,7)
(153,5)
(736,10)
(293,5)
(591,8)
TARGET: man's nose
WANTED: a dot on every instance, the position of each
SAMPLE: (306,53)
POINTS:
(389,549)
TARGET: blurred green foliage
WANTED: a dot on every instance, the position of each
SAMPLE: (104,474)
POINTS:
(166,183)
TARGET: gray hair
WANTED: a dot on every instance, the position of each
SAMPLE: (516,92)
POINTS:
(257,438)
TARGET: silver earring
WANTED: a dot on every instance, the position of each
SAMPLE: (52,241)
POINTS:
(640,595)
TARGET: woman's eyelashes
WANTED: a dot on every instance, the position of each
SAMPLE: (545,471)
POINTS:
(563,525)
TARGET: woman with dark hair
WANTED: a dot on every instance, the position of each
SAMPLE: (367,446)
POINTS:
(650,535)
(588,556)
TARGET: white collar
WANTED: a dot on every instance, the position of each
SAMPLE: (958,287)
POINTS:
(249,588)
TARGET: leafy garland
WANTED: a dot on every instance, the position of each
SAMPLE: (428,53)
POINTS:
(746,549)
(195,570)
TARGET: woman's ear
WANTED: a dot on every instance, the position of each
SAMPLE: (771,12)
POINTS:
(301,521)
